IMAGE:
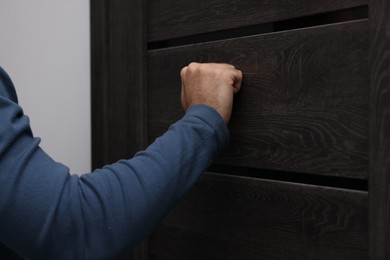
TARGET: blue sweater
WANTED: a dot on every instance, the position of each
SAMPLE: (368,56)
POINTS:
(47,213)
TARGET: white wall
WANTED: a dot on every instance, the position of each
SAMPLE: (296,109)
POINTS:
(45,47)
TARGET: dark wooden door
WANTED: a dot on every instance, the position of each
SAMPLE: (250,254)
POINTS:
(309,130)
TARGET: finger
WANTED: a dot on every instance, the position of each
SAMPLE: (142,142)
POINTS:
(183,71)
(237,81)
(222,65)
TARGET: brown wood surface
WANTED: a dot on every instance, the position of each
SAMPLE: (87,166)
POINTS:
(118,80)
(99,84)
(303,105)
(226,217)
(172,18)
(303,108)
(379,129)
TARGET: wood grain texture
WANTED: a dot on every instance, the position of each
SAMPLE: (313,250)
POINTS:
(379,129)
(226,217)
(99,83)
(118,80)
(303,106)
(171,18)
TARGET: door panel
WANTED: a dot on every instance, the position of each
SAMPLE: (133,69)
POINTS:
(303,106)
(228,217)
(315,75)
(172,18)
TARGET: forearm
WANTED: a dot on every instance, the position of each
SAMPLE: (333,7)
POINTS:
(106,212)
(150,184)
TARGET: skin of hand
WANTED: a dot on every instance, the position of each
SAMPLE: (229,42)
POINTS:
(212,84)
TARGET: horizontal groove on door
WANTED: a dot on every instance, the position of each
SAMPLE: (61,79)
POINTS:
(350,14)
(292,177)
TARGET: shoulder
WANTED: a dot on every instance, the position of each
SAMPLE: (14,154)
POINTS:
(7,89)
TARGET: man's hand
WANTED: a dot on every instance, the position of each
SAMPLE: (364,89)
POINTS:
(212,84)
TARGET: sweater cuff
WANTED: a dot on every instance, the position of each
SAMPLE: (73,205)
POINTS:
(212,118)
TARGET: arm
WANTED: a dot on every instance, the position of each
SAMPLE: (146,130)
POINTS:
(47,213)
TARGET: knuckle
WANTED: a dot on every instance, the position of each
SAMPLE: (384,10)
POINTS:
(193,65)
(183,71)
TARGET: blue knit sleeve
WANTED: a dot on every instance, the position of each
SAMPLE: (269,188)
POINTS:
(46,213)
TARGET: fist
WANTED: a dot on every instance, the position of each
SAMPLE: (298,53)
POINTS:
(212,84)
